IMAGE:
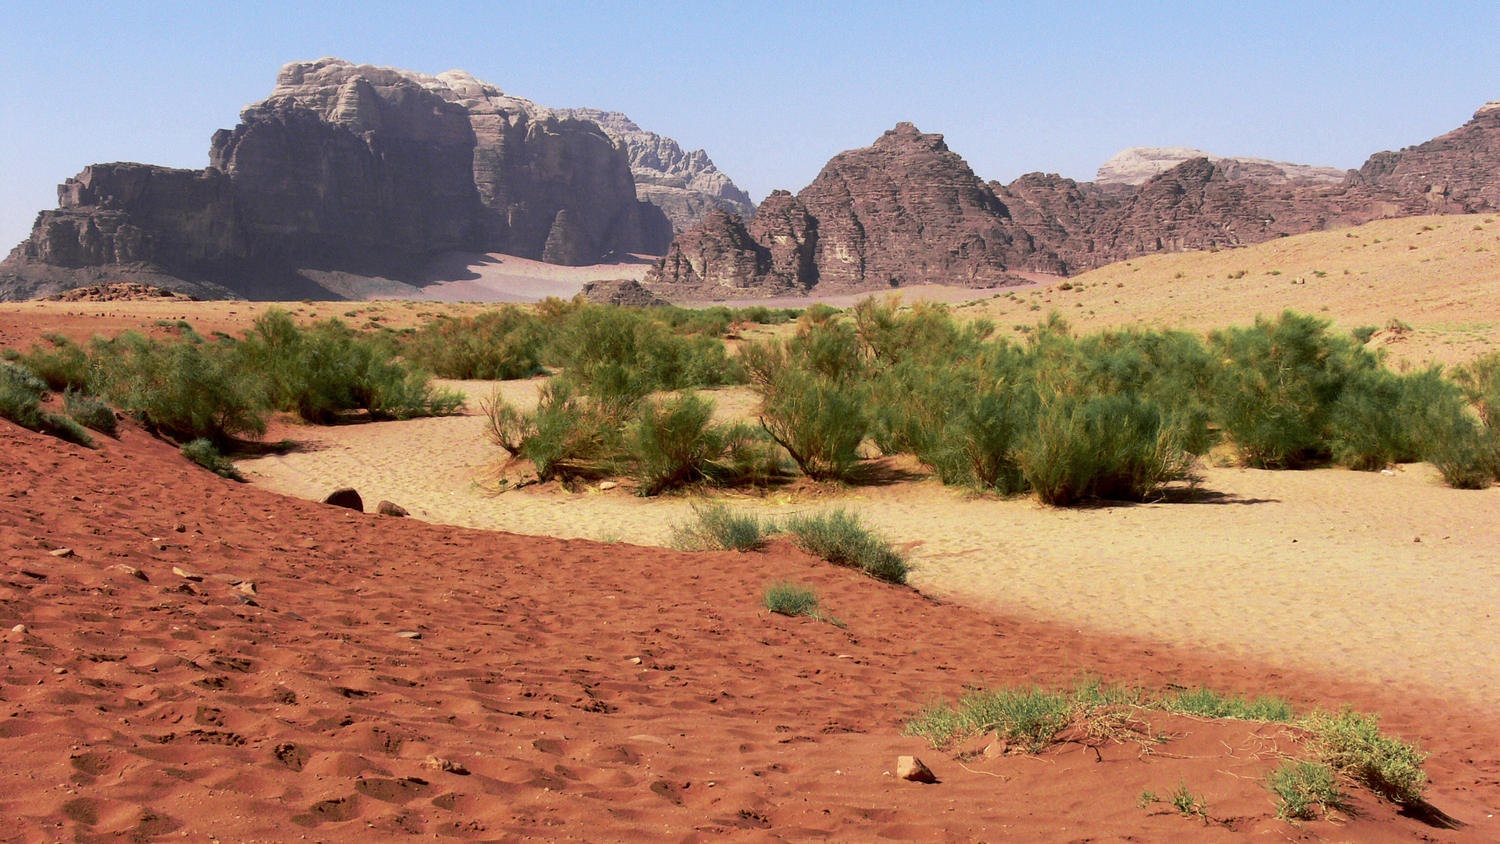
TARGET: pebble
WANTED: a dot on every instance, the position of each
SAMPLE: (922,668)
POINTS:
(62,552)
(196,578)
(409,634)
(19,628)
(911,768)
(130,571)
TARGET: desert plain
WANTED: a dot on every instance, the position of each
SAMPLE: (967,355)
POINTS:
(193,659)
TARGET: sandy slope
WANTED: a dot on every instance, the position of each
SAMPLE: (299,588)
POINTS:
(561,689)
(1388,578)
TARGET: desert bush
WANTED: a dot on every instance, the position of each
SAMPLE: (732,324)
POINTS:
(206,454)
(506,426)
(714,527)
(673,443)
(570,436)
(61,363)
(620,355)
(1302,787)
(1278,387)
(1353,745)
(1480,381)
(1105,446)
(926,332)
(839,537)
(328,368)
(184,389)
(21,395)
(818,421)
(496,345)
(790,599)
(89,411)
(1364,333)
(1465,453)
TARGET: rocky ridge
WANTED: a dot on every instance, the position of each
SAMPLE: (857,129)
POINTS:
(357,171)
(906,210)
(1135,165)
(684,185)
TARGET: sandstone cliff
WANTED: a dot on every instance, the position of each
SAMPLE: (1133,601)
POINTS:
(684,185)
(1135,165)
(348,169)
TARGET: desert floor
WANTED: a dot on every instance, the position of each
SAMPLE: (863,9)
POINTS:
(192,659)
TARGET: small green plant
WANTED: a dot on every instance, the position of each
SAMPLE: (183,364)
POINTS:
(790,599)
(1147,798)
(89,411)
(1363,333)
(1187,803)
(203,452)
(1352,744)
(1032,717)
(1304,787)
(714,527)
(839,537)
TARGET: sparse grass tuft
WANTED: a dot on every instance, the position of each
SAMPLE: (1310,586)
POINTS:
(791,599)
(839,537)
(717,528)
(1303,787)
(1213,704)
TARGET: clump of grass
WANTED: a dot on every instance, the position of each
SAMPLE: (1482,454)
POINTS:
(787,598)
(1304,787)
(1032,717)
(1213,704)
(61,363)
(1187,803)
(203,452)
(673,443)
(839,537)
(21,395)
(715,527)
(1352,744)
(90,411)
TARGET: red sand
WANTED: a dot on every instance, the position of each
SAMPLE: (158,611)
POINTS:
(171,708)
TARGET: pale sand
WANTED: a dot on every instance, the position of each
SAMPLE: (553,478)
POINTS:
(1386,578)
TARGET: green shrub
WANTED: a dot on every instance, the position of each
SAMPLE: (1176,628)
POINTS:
(790,599)
(90,411)
(1302,787)
(1480,381)
(1364,333)
(818,421)
(715,527)
(61,364)
(21,396)
(839,537)
(570,436)
(206,454)
(618,355)
(65,429)
(327,369)
(506,426)
(1465,453)
(184,389)
(496,345)
(1353,745)
(673,443)
(1107,447)
(1278,386)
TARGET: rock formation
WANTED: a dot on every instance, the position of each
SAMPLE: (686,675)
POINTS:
(684,185)
(348,169)
(906,210)
(1135,165)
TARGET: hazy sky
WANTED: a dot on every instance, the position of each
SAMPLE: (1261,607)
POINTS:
(772,89)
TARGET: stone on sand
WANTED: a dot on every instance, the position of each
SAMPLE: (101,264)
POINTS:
(911,768)
(346,497)
(387,508)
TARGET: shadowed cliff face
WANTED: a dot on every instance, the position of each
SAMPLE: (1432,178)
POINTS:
(906,210)
(347,168)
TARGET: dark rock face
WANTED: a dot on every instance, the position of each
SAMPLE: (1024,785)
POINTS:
(684,185)
(906,210)
(623,292)
(347,168)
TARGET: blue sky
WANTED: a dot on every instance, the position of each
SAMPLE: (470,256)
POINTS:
(772,89)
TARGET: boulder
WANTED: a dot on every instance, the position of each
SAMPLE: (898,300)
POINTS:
(346,497)
(386,508)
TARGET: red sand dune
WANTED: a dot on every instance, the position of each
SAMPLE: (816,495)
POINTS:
(572,690)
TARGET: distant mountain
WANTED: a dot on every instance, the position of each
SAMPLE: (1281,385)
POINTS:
(906,210)
(348,172)
(684,185)
(1135,165)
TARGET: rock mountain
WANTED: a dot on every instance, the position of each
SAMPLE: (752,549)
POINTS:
(907,210)
(348,171)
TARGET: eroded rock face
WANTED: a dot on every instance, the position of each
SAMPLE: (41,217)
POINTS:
(348,168)
(684,185)
(1136,165)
